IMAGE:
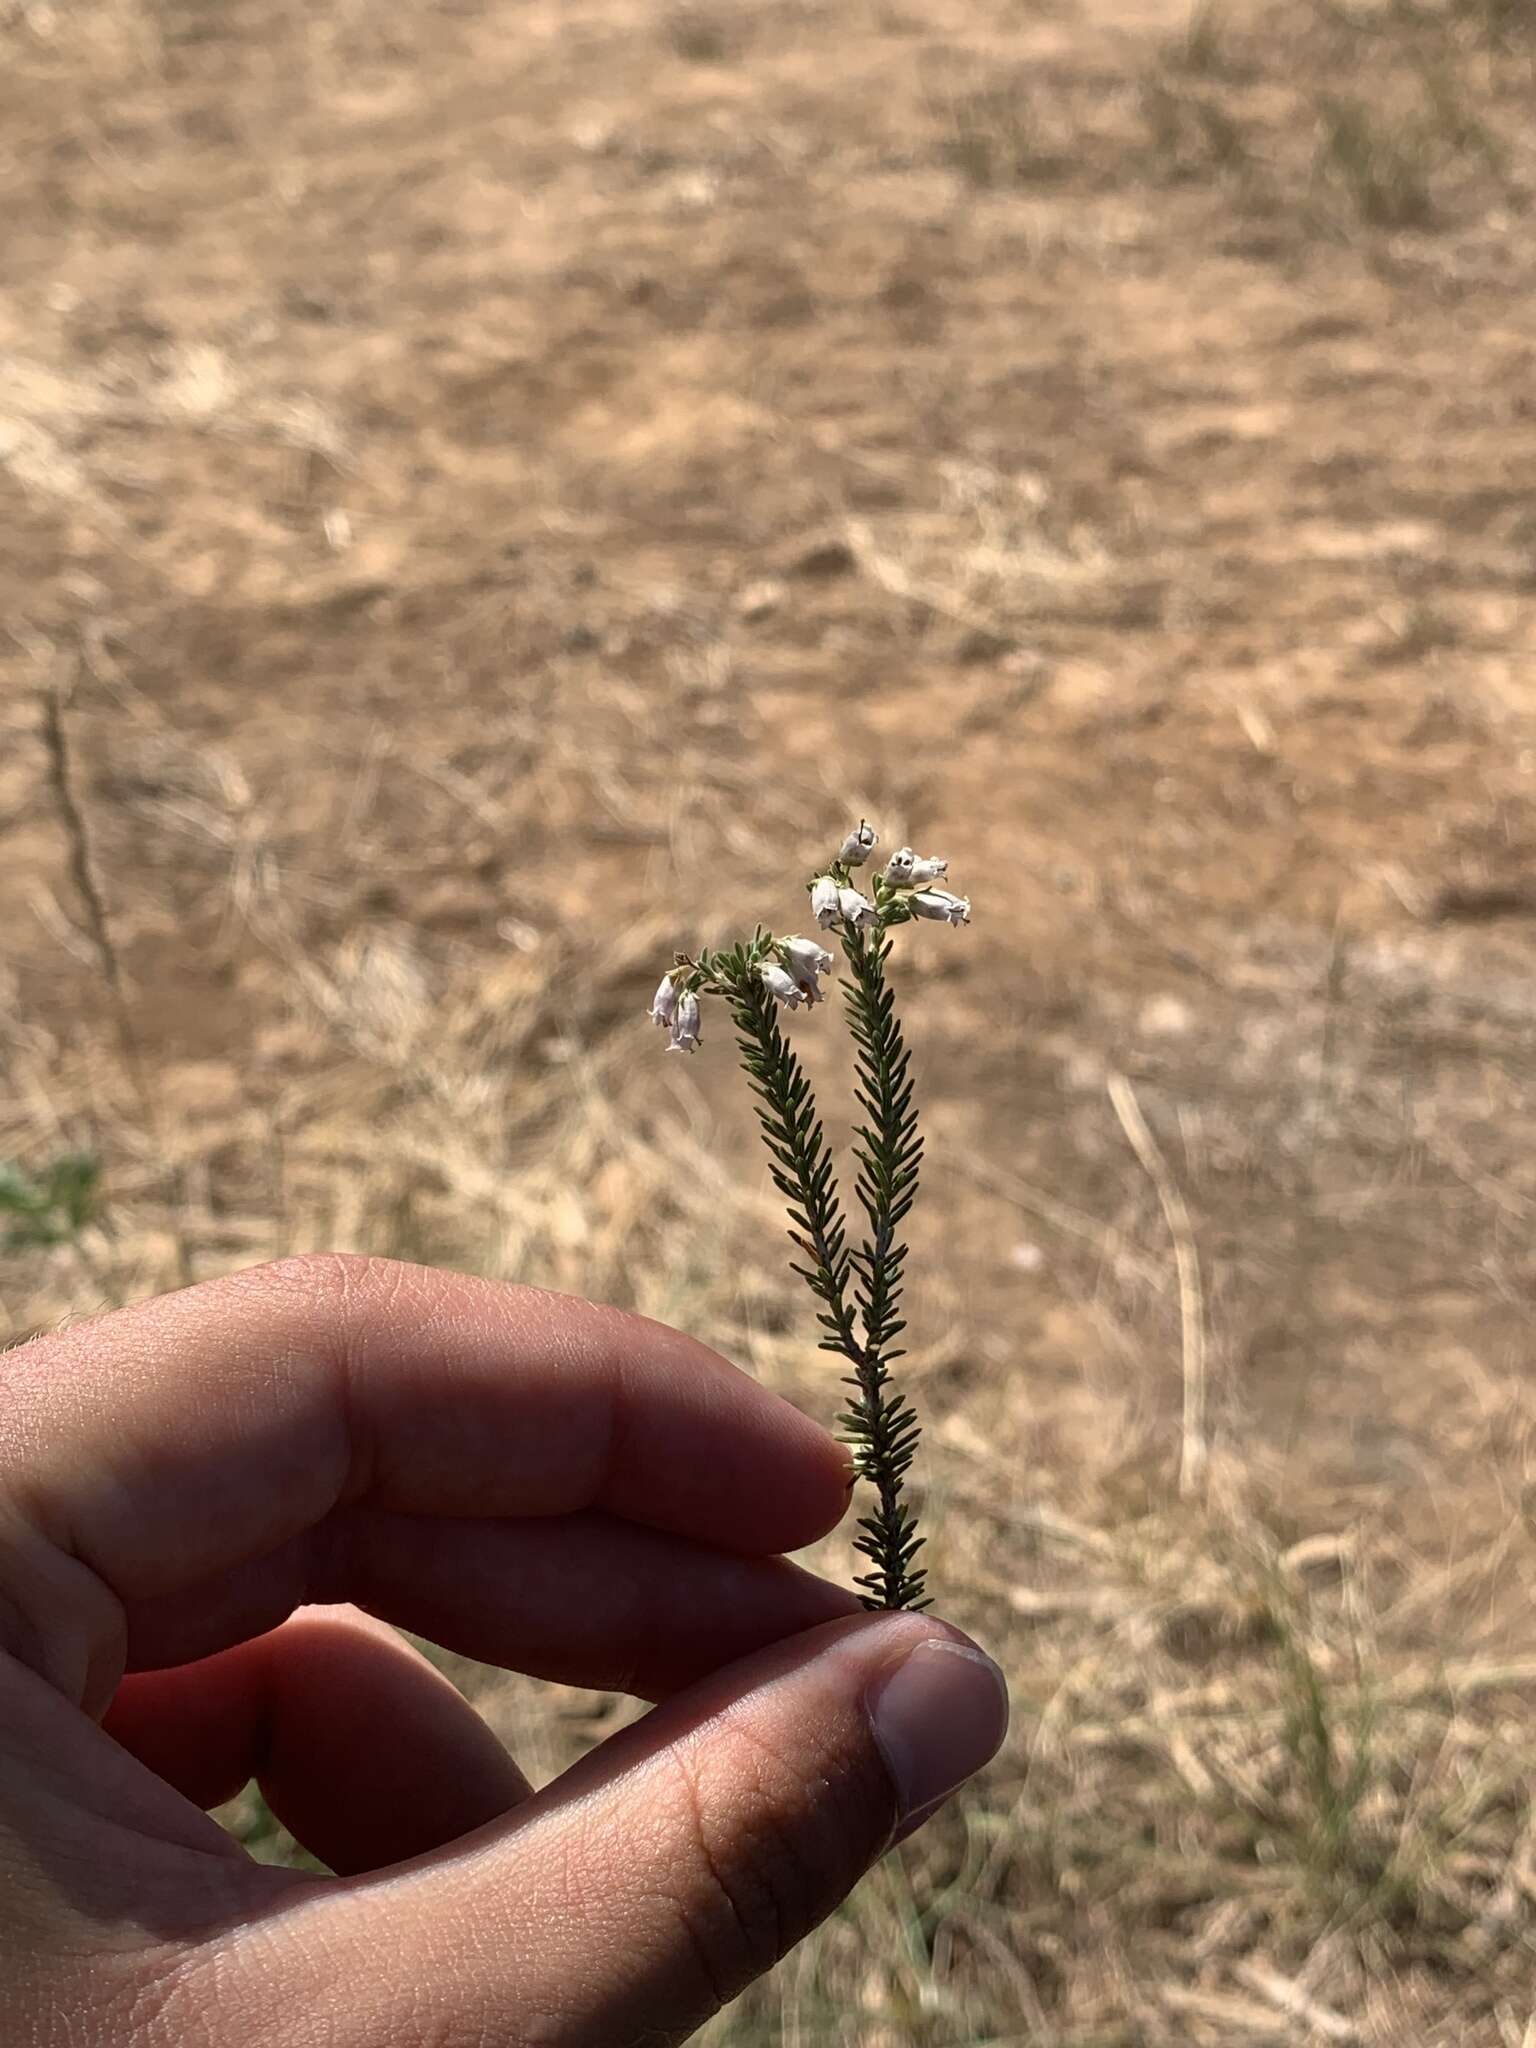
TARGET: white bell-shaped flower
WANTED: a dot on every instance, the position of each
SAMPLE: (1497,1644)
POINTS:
(824,901)
(782,984)
(806,957)
(940,905)
(685,1025)
(858,846)
(924,871)
(805,960)
(664,1002)
(857,910)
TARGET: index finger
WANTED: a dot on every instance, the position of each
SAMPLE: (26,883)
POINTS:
(192,1433)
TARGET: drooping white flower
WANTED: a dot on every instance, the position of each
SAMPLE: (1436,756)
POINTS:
(824,901)
(685,1025)
(805,960)
(940,905)
(898,868)
(806,957)
(928,870)
(857,847)
(784,986)
(664,1002)
(856,909)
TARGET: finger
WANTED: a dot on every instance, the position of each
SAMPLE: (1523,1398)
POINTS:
(151,1449)
(582,1598)
(646,1887)
(363,1750)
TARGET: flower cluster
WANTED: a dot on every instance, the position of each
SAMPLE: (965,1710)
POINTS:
(677,1009)
(901,891)
(790,968)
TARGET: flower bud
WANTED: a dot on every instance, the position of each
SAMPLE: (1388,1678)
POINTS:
(824,900)
(664,1002)
(782,985)
(685,1025)
(856,848)
(856,909)
(940,905)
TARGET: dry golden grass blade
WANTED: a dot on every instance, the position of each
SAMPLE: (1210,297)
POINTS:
(1194,1446)
(1292,1998)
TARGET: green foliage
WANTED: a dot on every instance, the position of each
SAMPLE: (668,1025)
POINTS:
(50,1206)
(802,1166)
(858,1291)
(880,1424)
(1331,1785)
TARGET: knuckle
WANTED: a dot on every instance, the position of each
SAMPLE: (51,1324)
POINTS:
(335,1296)
(329,1279)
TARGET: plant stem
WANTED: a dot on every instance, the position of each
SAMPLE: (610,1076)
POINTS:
(858,1291)
(879,1420)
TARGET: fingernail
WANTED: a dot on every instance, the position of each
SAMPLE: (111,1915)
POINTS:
(936,1718)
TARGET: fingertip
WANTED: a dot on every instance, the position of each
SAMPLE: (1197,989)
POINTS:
(767,1476)
(937,1716)
(827,1482)
(374,1755)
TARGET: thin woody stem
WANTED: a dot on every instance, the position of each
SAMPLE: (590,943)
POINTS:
(880,1421)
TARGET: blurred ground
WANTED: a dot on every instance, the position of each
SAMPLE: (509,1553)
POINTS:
(490,490)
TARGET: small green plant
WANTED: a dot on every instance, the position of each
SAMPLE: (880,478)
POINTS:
(857,1288)
(48,1207)
(1331,1787)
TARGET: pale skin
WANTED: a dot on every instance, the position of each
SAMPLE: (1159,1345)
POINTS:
(214,1505)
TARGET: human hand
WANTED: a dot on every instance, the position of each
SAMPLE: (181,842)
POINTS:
(189,1490)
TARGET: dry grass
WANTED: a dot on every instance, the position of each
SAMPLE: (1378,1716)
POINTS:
(492,489)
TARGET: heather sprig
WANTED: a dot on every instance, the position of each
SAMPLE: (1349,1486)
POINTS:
(857,1287)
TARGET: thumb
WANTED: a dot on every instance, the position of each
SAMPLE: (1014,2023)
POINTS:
(651,1883)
